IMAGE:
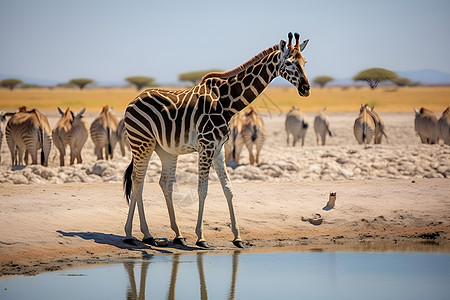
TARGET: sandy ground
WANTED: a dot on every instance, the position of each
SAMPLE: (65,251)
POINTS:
(393,196)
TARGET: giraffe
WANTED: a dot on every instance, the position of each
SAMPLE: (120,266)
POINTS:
(172,123)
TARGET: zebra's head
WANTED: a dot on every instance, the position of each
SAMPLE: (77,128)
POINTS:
(292,66)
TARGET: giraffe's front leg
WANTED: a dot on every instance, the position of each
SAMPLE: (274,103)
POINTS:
(205,162)
(221,170)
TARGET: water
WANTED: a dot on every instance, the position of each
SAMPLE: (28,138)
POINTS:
(362,275)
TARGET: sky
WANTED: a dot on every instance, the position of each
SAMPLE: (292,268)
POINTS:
(109,40)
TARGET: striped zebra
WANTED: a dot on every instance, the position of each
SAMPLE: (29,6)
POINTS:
(444,126)
(425,125)
(3,115)
(172,123)
(296,125)
(322,126)
(103,133)
(72,130)
(235,143)
(26,132)
(253,134)
(364,126)
(122,137)
(379,125)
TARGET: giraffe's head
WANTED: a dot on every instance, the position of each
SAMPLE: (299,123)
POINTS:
(292,64)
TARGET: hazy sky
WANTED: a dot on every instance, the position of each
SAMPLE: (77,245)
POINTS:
(108,40)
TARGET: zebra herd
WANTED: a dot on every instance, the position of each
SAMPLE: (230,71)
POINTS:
(28,131)
(429,128)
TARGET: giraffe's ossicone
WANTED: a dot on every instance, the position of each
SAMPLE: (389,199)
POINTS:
(197,119)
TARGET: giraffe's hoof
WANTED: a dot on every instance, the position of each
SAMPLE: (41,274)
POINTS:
(180,241)
(202,244)
(150,241)
(130,241)
(238,244)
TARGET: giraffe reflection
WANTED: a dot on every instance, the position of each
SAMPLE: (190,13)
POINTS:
(133,293)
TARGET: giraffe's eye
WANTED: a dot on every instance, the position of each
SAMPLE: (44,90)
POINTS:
(288,63)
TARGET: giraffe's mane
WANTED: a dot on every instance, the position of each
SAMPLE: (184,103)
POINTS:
(242,67)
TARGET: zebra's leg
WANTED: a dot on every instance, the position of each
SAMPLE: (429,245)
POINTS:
(73,152)
(237,150)
(169,166)
(62,153)
(221,170)
(12,150)
(204,165)
(99,152)
(78,156)
(258,151)
(249,146)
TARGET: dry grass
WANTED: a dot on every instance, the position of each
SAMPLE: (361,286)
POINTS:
(349,100)
(336,99)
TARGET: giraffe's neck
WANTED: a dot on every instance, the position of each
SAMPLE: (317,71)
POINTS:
(245,87)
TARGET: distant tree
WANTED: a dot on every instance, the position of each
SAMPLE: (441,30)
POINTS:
(402,81)
(322,80)
(195,76)
(141,81)
(10,83)
(374,76)
(80,82)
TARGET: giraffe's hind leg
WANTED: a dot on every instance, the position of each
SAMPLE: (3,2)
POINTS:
(135,175)
(169,166)
(221,170)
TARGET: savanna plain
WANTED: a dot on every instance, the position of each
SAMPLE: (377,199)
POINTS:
(389,197)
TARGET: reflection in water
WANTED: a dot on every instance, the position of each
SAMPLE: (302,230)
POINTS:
(261,276)
(132,291)
(133,294)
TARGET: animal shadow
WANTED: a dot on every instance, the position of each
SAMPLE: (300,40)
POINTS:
(117,241)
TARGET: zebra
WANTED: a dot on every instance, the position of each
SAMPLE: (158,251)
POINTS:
(379,125)
(72,130)
(177,122)
(296,125)
(322,126)
(122,137)
(233,146)
(364,126)
(103,133)
(425,125)
(28,131)
(253,134)
(3,115)
(444,126)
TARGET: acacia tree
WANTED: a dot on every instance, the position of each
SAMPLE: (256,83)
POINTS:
(374,76)
(403,81)
(322,80)
(141,81)
(195,76)
(80,82)
(10,83)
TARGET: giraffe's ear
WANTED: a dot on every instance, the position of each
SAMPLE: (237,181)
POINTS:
(303,45)
(284,50)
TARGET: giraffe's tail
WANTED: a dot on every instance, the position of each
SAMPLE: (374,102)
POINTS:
(127,182)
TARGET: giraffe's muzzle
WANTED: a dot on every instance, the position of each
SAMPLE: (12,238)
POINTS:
(304,90)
